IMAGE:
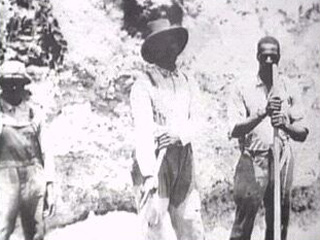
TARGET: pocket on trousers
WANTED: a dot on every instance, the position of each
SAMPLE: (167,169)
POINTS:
(244,177)
(36,179)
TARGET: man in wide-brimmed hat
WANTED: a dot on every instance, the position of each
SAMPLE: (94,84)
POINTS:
(162,99)
(26,174)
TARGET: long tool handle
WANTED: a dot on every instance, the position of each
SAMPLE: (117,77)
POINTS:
(156,170)
(276,159)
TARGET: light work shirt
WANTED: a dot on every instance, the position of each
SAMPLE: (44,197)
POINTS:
(23,139)
(161,101)
(250,96)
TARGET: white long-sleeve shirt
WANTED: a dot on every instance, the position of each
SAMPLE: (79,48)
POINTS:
(161,101)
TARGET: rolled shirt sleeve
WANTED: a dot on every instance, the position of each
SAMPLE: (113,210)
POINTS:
(143,126)
(297,111)
(236,108)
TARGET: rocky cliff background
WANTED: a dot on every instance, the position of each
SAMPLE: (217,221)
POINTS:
(85,92)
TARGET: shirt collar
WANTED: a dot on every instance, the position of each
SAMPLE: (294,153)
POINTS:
(166,73)
(259,82)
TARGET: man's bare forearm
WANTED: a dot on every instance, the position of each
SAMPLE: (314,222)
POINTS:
(242,128)
(297,133)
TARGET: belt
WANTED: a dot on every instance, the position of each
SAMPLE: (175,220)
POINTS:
(15,163)
(262,153)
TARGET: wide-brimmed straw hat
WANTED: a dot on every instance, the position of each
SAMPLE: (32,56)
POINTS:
(156,40)
(14,71)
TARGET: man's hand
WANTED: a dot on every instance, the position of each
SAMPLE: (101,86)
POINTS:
(149,187)
(157,210)
(150,184)
(278,120)
(168,139)
(49,200)
(274,104)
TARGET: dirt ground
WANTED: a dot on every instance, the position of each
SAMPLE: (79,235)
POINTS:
(125,226)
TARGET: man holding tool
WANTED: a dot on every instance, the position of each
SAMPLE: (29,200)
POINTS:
(255,109)
(161,101)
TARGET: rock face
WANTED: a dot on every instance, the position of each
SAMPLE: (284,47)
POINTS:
(89,114)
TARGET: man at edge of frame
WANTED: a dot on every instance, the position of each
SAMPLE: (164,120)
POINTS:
(161,102)
(27,171)
(254,110)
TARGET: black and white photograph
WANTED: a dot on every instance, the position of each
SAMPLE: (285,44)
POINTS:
(160,119)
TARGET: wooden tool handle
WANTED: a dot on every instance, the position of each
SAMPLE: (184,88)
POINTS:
(156,170)
(276,160)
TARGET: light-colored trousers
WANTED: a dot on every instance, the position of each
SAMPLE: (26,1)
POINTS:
(177,196)
(22,192)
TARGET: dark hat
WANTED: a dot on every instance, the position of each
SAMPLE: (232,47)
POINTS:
(14,70)
(159,29)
